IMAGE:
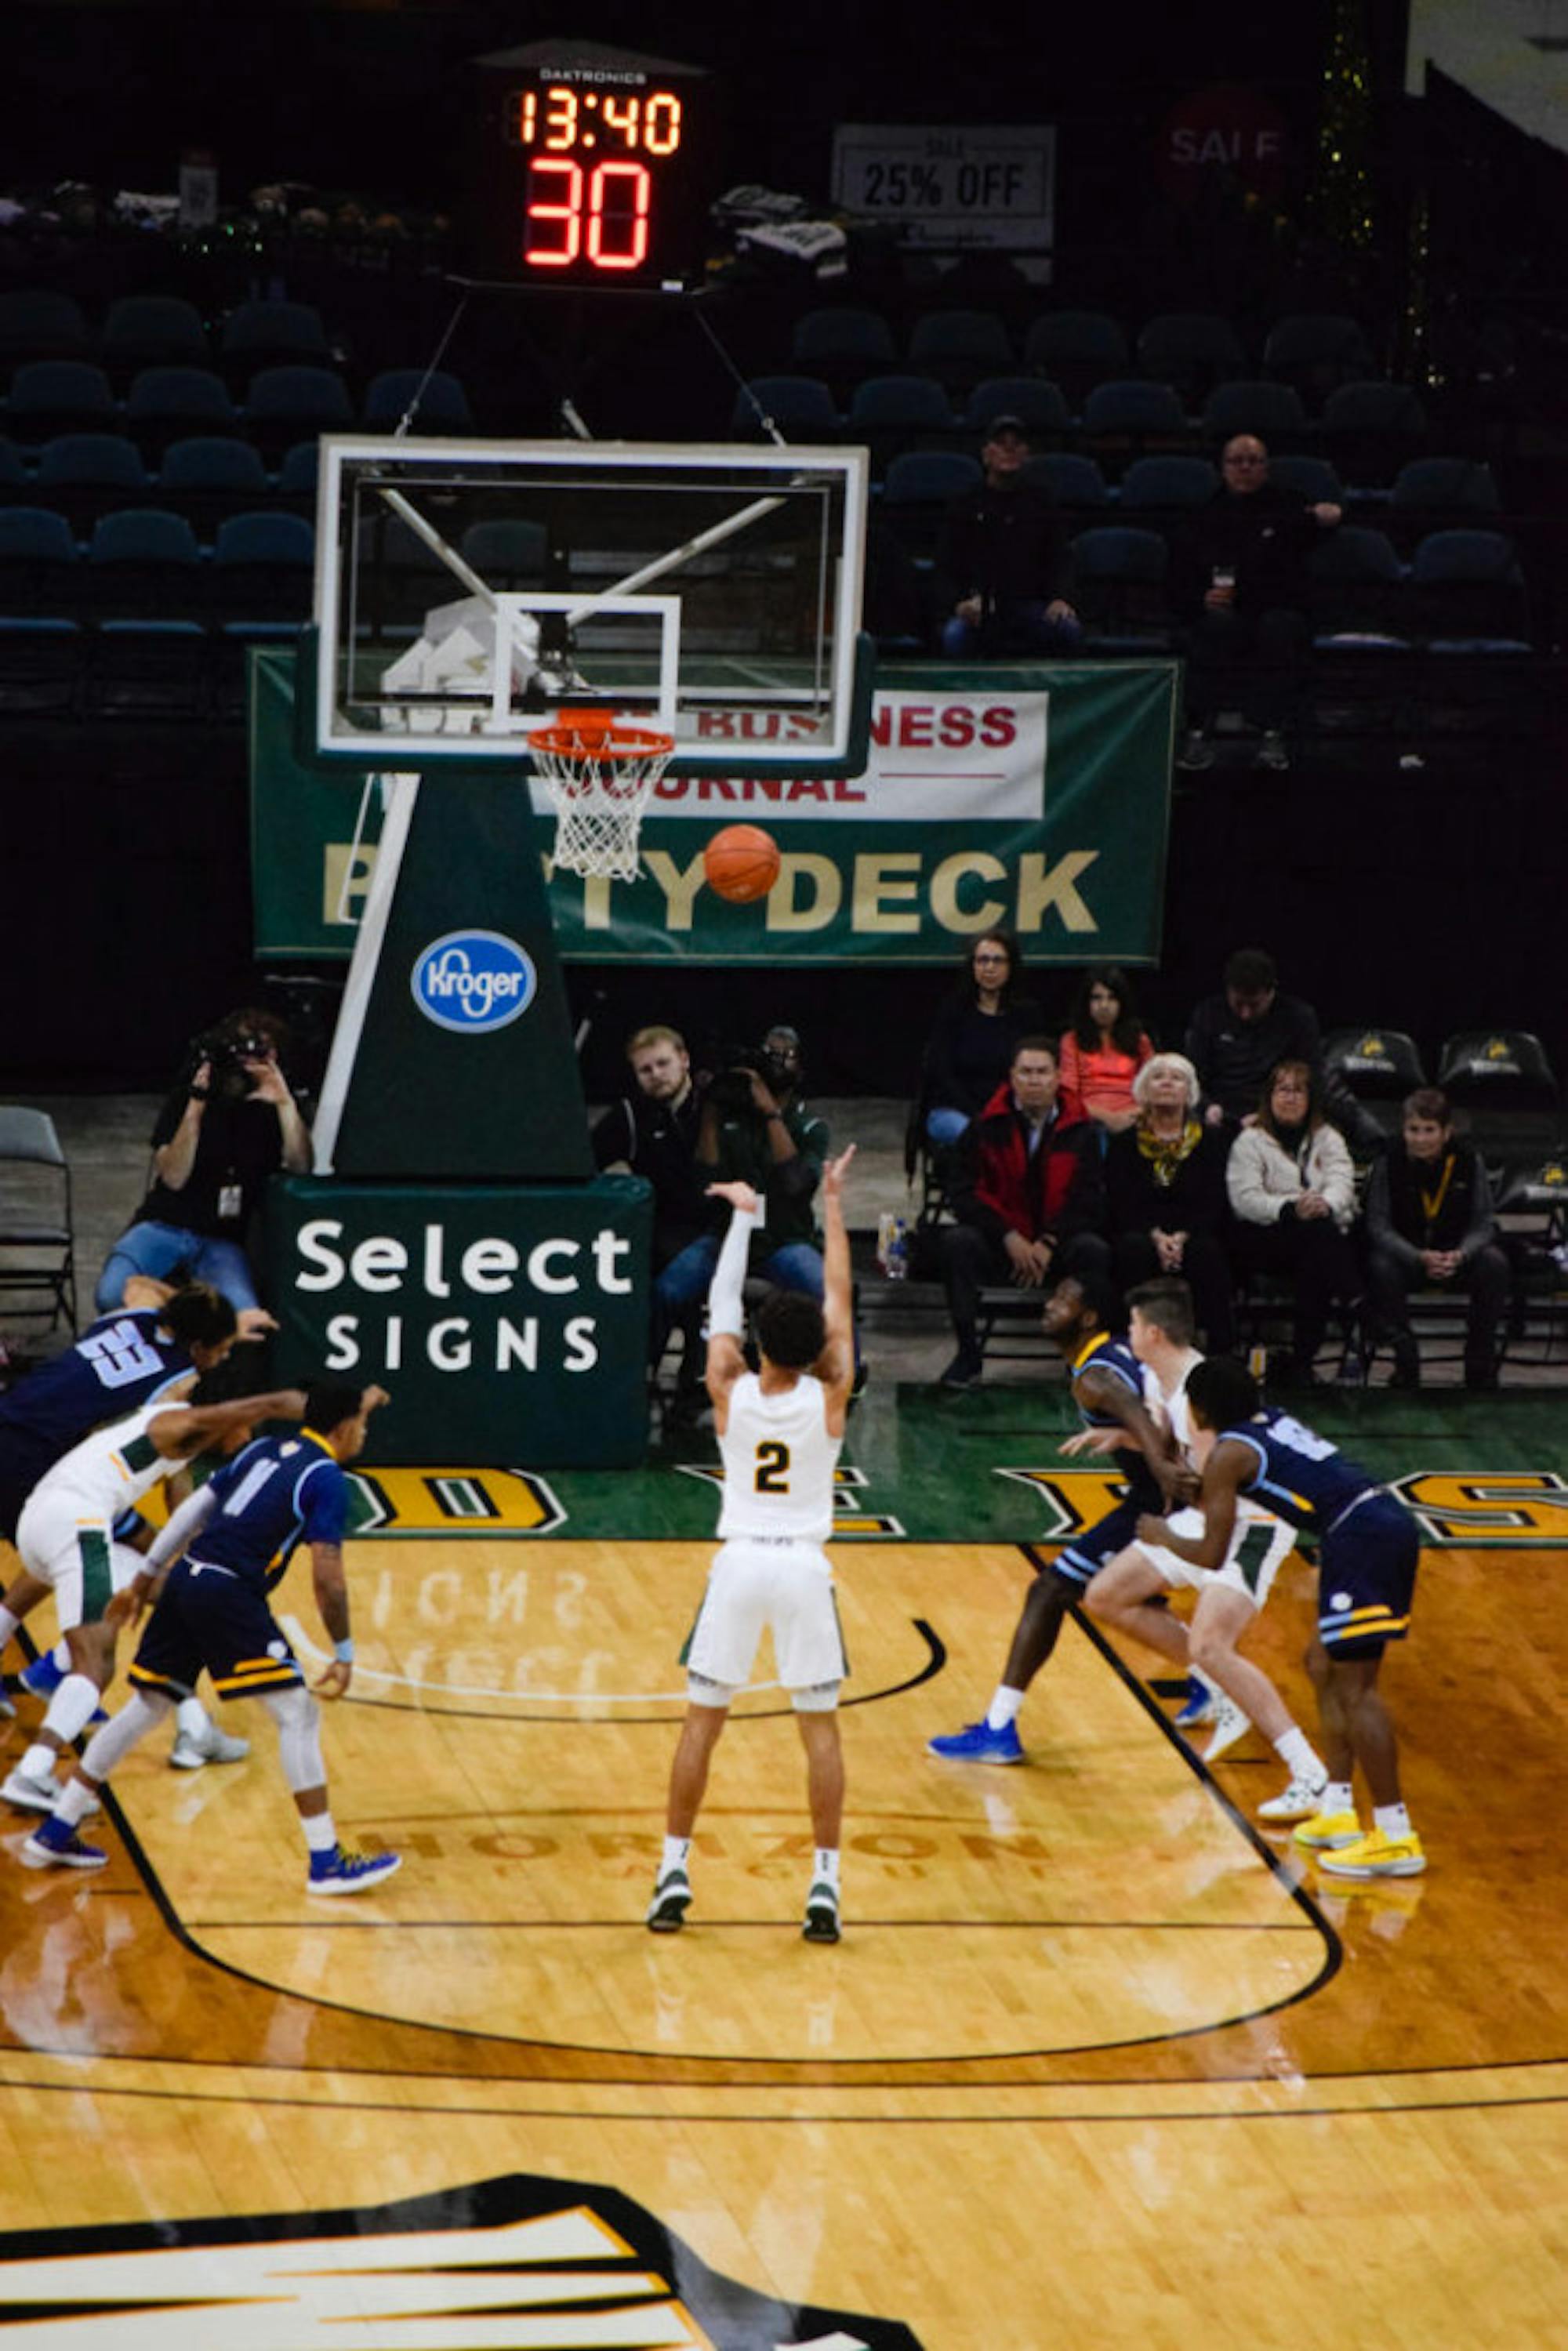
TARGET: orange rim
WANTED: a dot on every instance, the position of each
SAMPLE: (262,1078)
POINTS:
(593,735)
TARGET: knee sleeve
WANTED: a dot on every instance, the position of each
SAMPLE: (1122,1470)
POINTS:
(298,1720)
(143,1710)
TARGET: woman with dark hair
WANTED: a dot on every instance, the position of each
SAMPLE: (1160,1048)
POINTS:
(1103,1047)
(1164,1189)
(970,1048)
(1292,1184)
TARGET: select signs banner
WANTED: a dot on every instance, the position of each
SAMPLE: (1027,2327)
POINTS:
(1037,796)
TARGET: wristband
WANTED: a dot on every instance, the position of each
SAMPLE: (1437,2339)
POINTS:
(776,1114)
(344,1652)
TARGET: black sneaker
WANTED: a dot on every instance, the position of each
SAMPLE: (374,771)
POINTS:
(822,1921)
(965,1370)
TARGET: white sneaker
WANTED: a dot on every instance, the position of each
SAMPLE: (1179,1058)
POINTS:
(1301,1800)
(31,1792)
(1229,1725)
(193,1748)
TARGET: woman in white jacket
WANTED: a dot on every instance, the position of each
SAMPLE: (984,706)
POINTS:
(1292,1193)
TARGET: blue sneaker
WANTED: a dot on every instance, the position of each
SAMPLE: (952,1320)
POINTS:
(343,1871)
(1199,1706)
(979,1743)
(53,1845)
(43,1678)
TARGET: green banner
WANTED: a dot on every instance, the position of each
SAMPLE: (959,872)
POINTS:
(1035,795)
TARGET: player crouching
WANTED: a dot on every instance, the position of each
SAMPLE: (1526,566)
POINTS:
(779,1430)
(209,1574)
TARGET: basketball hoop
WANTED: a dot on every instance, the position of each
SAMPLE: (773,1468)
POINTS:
(600,777)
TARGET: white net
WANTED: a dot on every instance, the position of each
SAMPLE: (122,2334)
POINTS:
(600,777)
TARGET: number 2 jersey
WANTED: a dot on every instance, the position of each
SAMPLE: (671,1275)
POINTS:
(778,1461)
(279,1492)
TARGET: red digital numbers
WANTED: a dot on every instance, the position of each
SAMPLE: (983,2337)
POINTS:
(601,217)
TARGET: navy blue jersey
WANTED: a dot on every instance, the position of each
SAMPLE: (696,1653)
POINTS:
(1299,1477)
(279,1492)
(1106,1353)
(122,1362)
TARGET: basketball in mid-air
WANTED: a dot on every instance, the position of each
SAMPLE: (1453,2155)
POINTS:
(741,864)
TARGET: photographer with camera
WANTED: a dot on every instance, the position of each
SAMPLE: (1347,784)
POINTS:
(229,1124)
(756,1129)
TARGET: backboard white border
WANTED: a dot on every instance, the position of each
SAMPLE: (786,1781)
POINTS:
(341,450)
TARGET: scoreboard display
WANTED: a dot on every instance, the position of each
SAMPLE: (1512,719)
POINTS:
(592,168)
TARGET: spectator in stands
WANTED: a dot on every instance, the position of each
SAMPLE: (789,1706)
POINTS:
(1237,582)
(1166,1196)
(1003,567)
(1236,1038)
(970,1048)
(1028,1198)
(755,1129)
(1292,1185)
(653,1132)
(1429,1222)
(229,1125)
(1105,1048)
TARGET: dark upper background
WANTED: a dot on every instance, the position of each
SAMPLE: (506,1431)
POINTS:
(1383,901)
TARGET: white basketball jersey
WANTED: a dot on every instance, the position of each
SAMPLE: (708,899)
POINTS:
(1172,1411)
(778,1461)
(113,1469)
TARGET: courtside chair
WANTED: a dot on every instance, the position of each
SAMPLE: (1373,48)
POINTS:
(291,404)
(1355,592)
(174,404)
(1167,485)
(145,563)
(263,567)
(40,562)
(1377,1068)
(1435,491)
(1274,411)
(1131,418)
(272,334)
(1039,405)
(210,476)
(800,406)
(36,323)
(144,330)
(1468,594)
(1192,350)
(960,348)
(1074,481)
(1119,589)
(1369,430)
(894,412)
(84,474)
(148,654)
(843,346)
(38,1243)
(440,402)
(51,396)
(1504,1083)
(1316,350)
(1077,348)
(1311,479)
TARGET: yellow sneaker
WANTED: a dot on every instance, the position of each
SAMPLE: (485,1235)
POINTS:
(1378,1856)
(1330,1829)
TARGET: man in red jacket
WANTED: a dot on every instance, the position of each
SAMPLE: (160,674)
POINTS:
(1028,1198)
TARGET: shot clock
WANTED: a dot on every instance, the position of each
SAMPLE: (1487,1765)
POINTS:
(591,167)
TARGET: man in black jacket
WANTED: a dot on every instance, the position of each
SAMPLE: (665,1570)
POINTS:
(1237,582)
(1003,567)
(1429,1225)
(1236,1038)
(652,1131)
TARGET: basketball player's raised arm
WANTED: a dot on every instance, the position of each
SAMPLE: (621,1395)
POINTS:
(179,1435)
(727,1297)
(838,1293)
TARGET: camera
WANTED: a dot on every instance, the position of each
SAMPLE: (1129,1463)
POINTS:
(730,1088)
(226,1052)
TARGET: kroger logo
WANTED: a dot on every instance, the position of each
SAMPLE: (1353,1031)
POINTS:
(473,980)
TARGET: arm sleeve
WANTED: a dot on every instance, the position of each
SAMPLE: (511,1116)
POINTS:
(1383,1234)
(188,1521)
(1336,1175)
(725,1301)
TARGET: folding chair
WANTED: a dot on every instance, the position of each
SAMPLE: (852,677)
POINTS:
(37,1244)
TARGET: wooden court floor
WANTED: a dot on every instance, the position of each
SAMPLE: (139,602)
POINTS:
(1095,2061)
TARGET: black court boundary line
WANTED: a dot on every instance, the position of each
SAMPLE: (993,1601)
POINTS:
(483,2114)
